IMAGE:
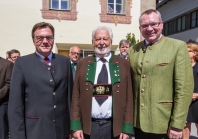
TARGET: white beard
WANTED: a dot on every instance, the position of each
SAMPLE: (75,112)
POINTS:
(100,51)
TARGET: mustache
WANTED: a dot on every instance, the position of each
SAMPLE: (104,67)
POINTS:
(100,46)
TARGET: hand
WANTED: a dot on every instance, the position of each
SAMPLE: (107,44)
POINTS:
(174,133)
(124,136)
(195,96)
(78,134)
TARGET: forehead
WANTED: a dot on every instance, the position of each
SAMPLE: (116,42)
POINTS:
(102,33)
(125,45)
(15,54)
(75,49)
(44,30)
(147,18)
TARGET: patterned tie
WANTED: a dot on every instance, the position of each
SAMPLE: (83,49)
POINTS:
(46,60)
(102,79)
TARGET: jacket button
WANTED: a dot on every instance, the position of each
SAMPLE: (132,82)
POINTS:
(54,121)
(143,76)
(86,89)
(142,90)
(142,105)
(141,62)
(48,68)
(54,106)
(51,80)
(54,93)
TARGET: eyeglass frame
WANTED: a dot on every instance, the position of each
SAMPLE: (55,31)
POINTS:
(48,38)
(153,25)
(74,53)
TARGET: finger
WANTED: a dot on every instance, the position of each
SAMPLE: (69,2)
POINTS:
(121,136)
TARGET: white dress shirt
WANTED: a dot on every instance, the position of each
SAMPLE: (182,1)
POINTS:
(105,110)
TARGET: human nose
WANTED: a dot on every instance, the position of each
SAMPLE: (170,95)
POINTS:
(102,41)
(45,40)
(149,27)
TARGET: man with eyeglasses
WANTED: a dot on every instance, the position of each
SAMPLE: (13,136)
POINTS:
(40,86)
(13,55)
(74,55)
(162,81)
(124,46)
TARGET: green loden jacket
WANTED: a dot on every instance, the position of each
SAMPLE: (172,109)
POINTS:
(162,85)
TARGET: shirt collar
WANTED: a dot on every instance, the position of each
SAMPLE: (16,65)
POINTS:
(41,56)
(146,42)
(106,57)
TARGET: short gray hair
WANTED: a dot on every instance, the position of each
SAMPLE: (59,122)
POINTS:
(102,28)
(149,12)
(124,42)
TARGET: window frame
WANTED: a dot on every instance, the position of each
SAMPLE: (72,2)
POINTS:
(59,5)
(116,18)
(195,20)
(59,14)
(115,6)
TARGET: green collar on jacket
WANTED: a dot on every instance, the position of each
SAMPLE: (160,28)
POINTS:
(113,68)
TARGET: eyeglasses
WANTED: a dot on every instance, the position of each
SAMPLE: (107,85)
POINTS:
(41,38)
(153,25)
(14,57)
(74,53)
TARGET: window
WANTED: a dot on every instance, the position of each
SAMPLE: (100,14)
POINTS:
(181,23)
(59,9)
(194,19)
(166,29)
(115,7)
(116,11)
(60,4)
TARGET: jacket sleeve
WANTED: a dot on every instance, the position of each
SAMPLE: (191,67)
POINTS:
(127,126)
(16,103)
(183,87)
(4,90)
(75,105)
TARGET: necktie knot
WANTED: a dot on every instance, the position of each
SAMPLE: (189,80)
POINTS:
(46,60)
(103,59)
(74,63)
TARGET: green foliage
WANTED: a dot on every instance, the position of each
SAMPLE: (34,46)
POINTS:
(131,37)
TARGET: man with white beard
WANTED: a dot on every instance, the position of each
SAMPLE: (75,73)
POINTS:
(102,102)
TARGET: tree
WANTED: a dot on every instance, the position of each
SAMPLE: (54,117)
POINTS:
(131,37)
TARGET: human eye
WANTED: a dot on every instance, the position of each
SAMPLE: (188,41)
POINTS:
(144,25)
(49,38)
(39,38)
(97,39)
(153,24)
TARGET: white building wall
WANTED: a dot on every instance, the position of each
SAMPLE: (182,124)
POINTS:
(18,17)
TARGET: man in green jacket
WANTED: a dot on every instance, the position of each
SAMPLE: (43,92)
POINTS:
(162,81)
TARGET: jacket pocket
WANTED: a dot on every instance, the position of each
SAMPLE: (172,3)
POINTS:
(31,117)
(162,64)
(166,102)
